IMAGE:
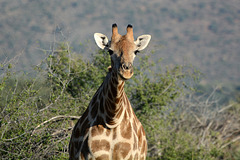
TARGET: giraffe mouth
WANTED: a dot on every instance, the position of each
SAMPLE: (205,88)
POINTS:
(125,74)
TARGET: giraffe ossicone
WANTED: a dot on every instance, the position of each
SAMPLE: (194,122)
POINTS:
(109,128)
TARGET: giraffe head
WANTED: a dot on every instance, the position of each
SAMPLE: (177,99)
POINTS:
(122,49)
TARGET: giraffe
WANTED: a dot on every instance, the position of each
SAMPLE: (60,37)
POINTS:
(109,128)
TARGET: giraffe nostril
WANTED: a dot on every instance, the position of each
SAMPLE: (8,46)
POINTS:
(126,66)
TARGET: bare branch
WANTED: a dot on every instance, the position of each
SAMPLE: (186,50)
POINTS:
(54,119)
(205,132)
(196,117)
(232,141)
(225,108)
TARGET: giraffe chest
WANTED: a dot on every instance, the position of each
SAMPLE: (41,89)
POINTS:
(126,141)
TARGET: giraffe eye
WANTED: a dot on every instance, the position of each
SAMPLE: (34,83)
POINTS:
(110,52)
(136,52)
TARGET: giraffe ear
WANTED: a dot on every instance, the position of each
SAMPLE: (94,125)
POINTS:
(142,41)
(101,40)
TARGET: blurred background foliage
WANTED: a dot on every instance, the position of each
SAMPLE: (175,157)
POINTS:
(204,33)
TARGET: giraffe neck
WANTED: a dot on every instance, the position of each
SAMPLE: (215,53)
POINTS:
(112,100)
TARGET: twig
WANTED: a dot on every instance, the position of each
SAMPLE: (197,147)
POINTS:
(232,141)
(196,117)
(225,108)
(63,130)
(205,131)
(15,137)
(212,94)
(166,88)
(54,119)
(8,152)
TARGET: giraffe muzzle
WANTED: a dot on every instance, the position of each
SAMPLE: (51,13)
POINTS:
(126,70)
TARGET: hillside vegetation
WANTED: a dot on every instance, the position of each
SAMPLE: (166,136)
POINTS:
(38,114)
(204,33)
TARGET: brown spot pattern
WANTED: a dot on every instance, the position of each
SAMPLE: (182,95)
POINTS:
(120,112)
(97,130)
(129,111)
(126,128)
(125,99)
(82,157)
(135,143)
(134,126)
(130,158)
(117,100)
(99,145)
(121,150)
(120,87)
(107,131)
(136,156)
(103,157)
(143,147)
(139,134)
(114,133)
